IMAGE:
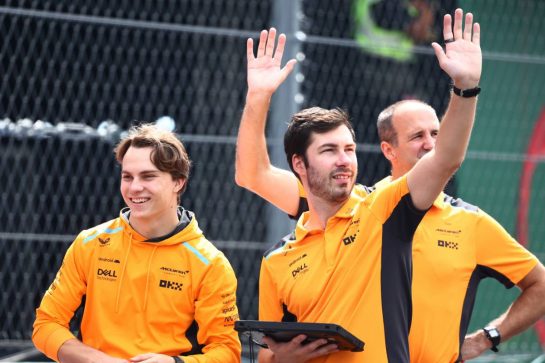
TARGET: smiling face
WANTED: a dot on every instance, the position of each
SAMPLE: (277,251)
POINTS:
(416,127)
(150,194)
(330,166)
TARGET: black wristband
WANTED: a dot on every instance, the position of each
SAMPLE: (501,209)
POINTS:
(494,336)
(177,359)
(466,93)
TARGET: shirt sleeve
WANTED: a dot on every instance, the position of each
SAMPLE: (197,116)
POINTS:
(303,204)
(60,301)
(302,193)
(270,306)
(215,313)
(384,200)
(500,252)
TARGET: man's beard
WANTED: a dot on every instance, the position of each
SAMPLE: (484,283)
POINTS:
(323,186)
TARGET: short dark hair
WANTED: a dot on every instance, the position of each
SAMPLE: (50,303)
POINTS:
(385,127)
(168,153)
(304,123)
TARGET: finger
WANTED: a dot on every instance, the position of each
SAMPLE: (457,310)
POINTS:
(477,34)
(457,28)
(287,69)
(298,340)
(439,53)
(468,26)
(447,27)
(141,357)
(324,350)
(280,49)
(270,42)
(250,49)
(312,346)
(262,43)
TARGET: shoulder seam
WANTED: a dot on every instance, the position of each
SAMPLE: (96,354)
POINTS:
(280,244)
(459,203)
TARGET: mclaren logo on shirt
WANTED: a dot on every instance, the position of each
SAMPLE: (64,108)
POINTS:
(106,259)
(448,231)
(173,271)
(297,259)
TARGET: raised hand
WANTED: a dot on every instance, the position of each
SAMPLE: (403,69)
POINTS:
(462,59)
(264,71)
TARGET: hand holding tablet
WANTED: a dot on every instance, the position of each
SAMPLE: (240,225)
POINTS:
(286,331)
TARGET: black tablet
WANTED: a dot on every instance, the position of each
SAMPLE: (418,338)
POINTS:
(286,331)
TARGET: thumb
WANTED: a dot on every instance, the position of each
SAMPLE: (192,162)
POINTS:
(439,53)
(288,68)
(140,357)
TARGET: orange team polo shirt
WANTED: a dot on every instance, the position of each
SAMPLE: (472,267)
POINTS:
(454,248)
(355,273)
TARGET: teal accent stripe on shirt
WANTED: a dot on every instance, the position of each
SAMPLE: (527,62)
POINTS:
(197,253)
(107,230)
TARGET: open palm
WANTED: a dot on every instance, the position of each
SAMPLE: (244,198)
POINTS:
(462,59)
(264,70)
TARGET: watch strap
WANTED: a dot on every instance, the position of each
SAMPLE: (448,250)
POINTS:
(494,336)
(466,93)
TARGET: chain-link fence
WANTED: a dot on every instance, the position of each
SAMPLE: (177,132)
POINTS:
(88,70)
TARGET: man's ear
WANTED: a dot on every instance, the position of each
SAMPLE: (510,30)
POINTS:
(298,164)
(179,184)
(388,150)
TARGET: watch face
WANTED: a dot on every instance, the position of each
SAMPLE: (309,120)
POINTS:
(493,333)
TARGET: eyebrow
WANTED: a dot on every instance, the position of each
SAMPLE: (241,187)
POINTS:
(142,172)
(414,133)
(333,145)
(420,131)
(327,145)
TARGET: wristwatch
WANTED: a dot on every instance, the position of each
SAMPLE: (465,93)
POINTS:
(466,93)
(493,334)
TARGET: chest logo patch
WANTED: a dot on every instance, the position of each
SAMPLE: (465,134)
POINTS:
(301,269)
(447,244)
(297,259)
(106,274)
(104,242)
(349,239)
(171,285)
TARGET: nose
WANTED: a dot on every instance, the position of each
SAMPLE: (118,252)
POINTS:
(135,185)
(343,159)
(429,142)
